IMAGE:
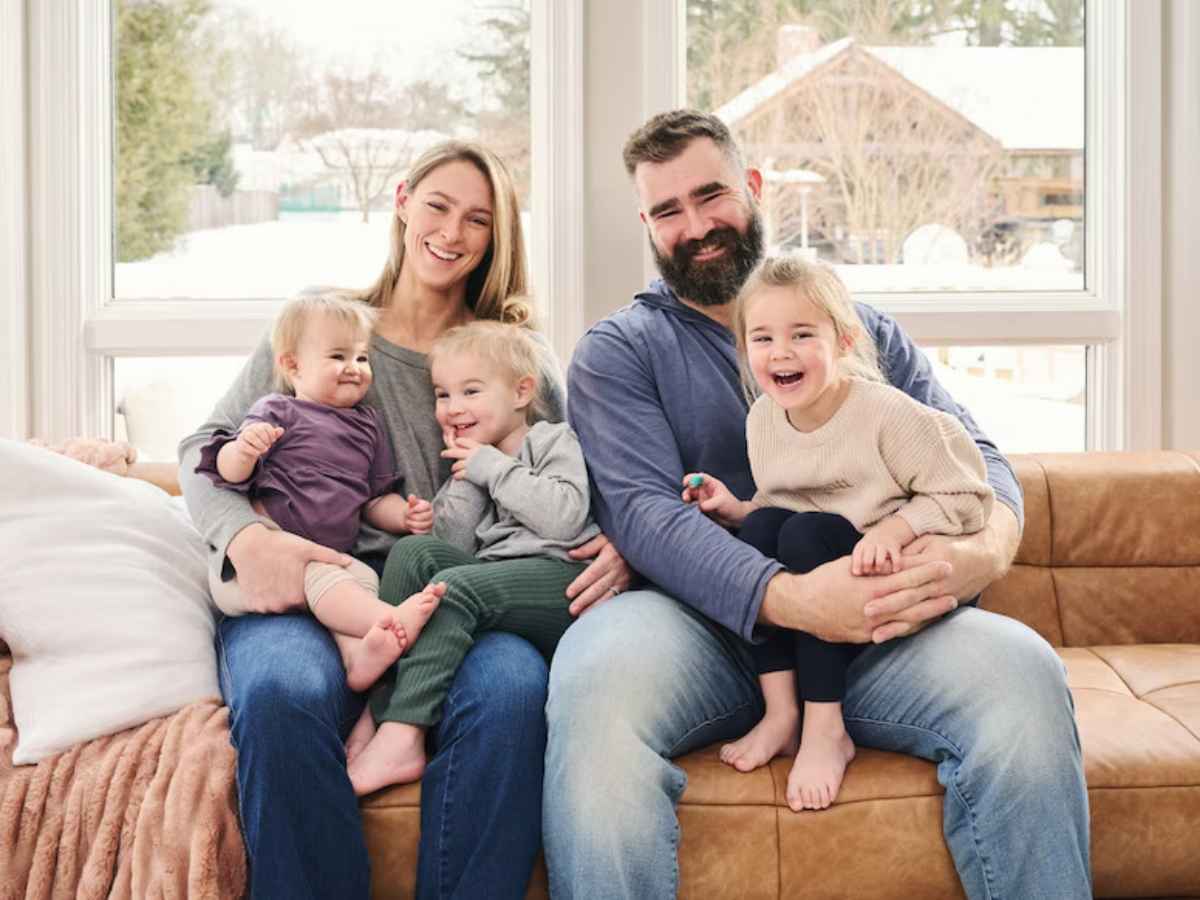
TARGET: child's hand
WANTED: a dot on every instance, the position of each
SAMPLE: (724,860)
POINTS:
(714,499)
(878,552)
(460,450)
(418,519)
(256,439)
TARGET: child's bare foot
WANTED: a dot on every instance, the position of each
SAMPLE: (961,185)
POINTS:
(414,612)
(776,734)
(371,657)
(825,751)
(395,755)
(360,735)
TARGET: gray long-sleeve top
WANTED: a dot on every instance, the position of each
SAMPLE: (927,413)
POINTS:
(533,504)
(402,392)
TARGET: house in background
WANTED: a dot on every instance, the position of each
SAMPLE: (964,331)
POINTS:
(984,141)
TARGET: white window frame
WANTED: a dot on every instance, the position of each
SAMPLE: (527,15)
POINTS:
(14,282)
(1123,221)
(74,329)
(78,329)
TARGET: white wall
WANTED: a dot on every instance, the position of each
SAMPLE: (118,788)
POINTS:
(1181,224)
(14,225)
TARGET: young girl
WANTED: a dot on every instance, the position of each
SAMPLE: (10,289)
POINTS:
(315,460)
(844,464)
(516,503)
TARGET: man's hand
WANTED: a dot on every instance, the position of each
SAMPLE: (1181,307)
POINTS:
(607,576)
(978,559)
(270,567)
(833,604)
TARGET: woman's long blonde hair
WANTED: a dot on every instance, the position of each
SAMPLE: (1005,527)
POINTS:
(820,285)
(496,289)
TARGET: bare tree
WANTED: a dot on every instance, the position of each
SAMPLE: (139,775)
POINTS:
(893,158)
(370,160)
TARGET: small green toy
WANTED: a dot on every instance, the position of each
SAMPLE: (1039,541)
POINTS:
(695,481)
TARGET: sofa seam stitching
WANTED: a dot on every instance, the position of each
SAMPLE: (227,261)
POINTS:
(1062,628)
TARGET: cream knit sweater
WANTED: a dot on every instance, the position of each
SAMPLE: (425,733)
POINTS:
(881,453)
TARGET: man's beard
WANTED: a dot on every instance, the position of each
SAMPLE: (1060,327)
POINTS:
(716,281)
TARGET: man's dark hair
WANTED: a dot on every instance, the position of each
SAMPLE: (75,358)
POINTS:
(668,134)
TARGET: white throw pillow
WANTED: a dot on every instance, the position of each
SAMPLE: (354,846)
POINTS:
(103,601)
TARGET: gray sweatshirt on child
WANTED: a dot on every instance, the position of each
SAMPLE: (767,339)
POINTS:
(402,392)
(533,504)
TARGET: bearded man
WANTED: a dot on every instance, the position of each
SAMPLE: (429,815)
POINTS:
(653,673)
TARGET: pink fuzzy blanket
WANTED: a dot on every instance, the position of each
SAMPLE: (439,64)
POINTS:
(149,812)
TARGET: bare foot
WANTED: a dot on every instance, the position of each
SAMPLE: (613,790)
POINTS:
(371,657)
(825,751)
(360,735)
(395,755)
(776,734)
(414,612)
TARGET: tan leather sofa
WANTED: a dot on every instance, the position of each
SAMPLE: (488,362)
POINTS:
(1109,573)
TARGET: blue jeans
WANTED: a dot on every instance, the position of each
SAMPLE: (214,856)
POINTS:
(481,799)
(639,680)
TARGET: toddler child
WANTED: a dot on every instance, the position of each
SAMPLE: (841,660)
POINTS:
(844,464)
(516,502)
(314,461)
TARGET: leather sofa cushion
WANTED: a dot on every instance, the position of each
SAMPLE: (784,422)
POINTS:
(1138,709)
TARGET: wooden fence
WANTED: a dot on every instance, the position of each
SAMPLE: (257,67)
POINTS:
(208,209)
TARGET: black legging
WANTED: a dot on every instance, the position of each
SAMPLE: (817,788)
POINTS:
(802,542)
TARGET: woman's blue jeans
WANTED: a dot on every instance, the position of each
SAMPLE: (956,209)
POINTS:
(481,794)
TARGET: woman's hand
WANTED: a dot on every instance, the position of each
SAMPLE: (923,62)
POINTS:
(460,450)
(715,500)
(606,576)
(270,567)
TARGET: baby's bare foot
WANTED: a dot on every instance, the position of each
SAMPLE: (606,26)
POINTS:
(395,755)
(816,775)
(360,735)
(414,612)
(776,734)
(371,657)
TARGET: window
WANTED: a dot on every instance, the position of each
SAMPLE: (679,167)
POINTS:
(955,165)
(1077,233)
(259,143)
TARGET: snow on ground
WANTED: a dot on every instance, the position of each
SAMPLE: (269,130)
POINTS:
(166,398)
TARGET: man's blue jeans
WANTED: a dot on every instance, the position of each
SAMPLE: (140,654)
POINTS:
(638,681)
(481,795)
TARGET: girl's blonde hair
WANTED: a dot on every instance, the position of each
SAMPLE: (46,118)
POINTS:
(298,314)
(510,348)
(820,285)
(496,289)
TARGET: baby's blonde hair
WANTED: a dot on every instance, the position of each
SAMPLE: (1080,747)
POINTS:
(511,348)
(298,313)
(820,285)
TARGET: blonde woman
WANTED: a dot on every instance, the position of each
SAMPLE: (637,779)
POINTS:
(456,254)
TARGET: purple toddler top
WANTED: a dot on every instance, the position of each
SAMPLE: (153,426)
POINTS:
(314,480)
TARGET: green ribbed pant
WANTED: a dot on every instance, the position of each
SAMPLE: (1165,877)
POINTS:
(526,597)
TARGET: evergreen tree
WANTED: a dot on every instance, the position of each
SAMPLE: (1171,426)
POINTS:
(161,119)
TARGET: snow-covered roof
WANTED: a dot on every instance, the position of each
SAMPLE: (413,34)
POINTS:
(1028,98)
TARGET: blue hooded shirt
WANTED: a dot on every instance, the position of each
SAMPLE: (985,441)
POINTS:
(654,392)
